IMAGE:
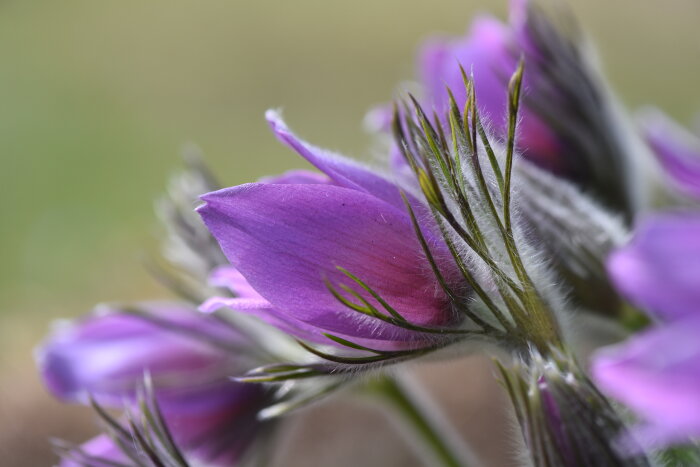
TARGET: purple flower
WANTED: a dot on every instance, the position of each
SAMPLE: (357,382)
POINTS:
(659,270)
(657,372)
(569,124)
(490,51)
(190,358)
(289,240)
(676,149)
(393,269)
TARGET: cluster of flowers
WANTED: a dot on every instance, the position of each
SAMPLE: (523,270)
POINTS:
(505,216)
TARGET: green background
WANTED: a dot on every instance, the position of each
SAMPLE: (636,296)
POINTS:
(97,100)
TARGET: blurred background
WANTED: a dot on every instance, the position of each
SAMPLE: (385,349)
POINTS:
(97,100)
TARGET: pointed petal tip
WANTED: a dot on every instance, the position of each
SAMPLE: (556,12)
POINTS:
(55,373)
(209,198)
(273,115)
(276,122)
(221,198)
(282,132)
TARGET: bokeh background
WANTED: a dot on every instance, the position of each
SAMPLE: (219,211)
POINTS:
(97,100)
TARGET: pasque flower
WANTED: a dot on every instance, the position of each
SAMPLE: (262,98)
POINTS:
(393,269)
(290,241)
(189,358)
(657,373)
(490,52)
(570,124)
(570,129)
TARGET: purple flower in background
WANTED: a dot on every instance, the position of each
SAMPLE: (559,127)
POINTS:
(490,50)
(677,149)
(657,373)
(569,125)
(659,270)
(190,358)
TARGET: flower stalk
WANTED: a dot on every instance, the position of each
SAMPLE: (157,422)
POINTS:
(416,411)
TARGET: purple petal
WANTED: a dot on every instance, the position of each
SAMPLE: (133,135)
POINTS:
(215,423)
(243,304)
(291,326)
(264,310)
(106,354)
(379,118)
(100,449)
(230,278)
(489,51)
(677,150)
(657,374)
(247,300)
(190,358)
(343,171)
(483,52)
(285,239)
(659,269)
(293,177)
(649,436)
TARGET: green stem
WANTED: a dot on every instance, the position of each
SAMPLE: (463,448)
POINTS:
(407,398)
